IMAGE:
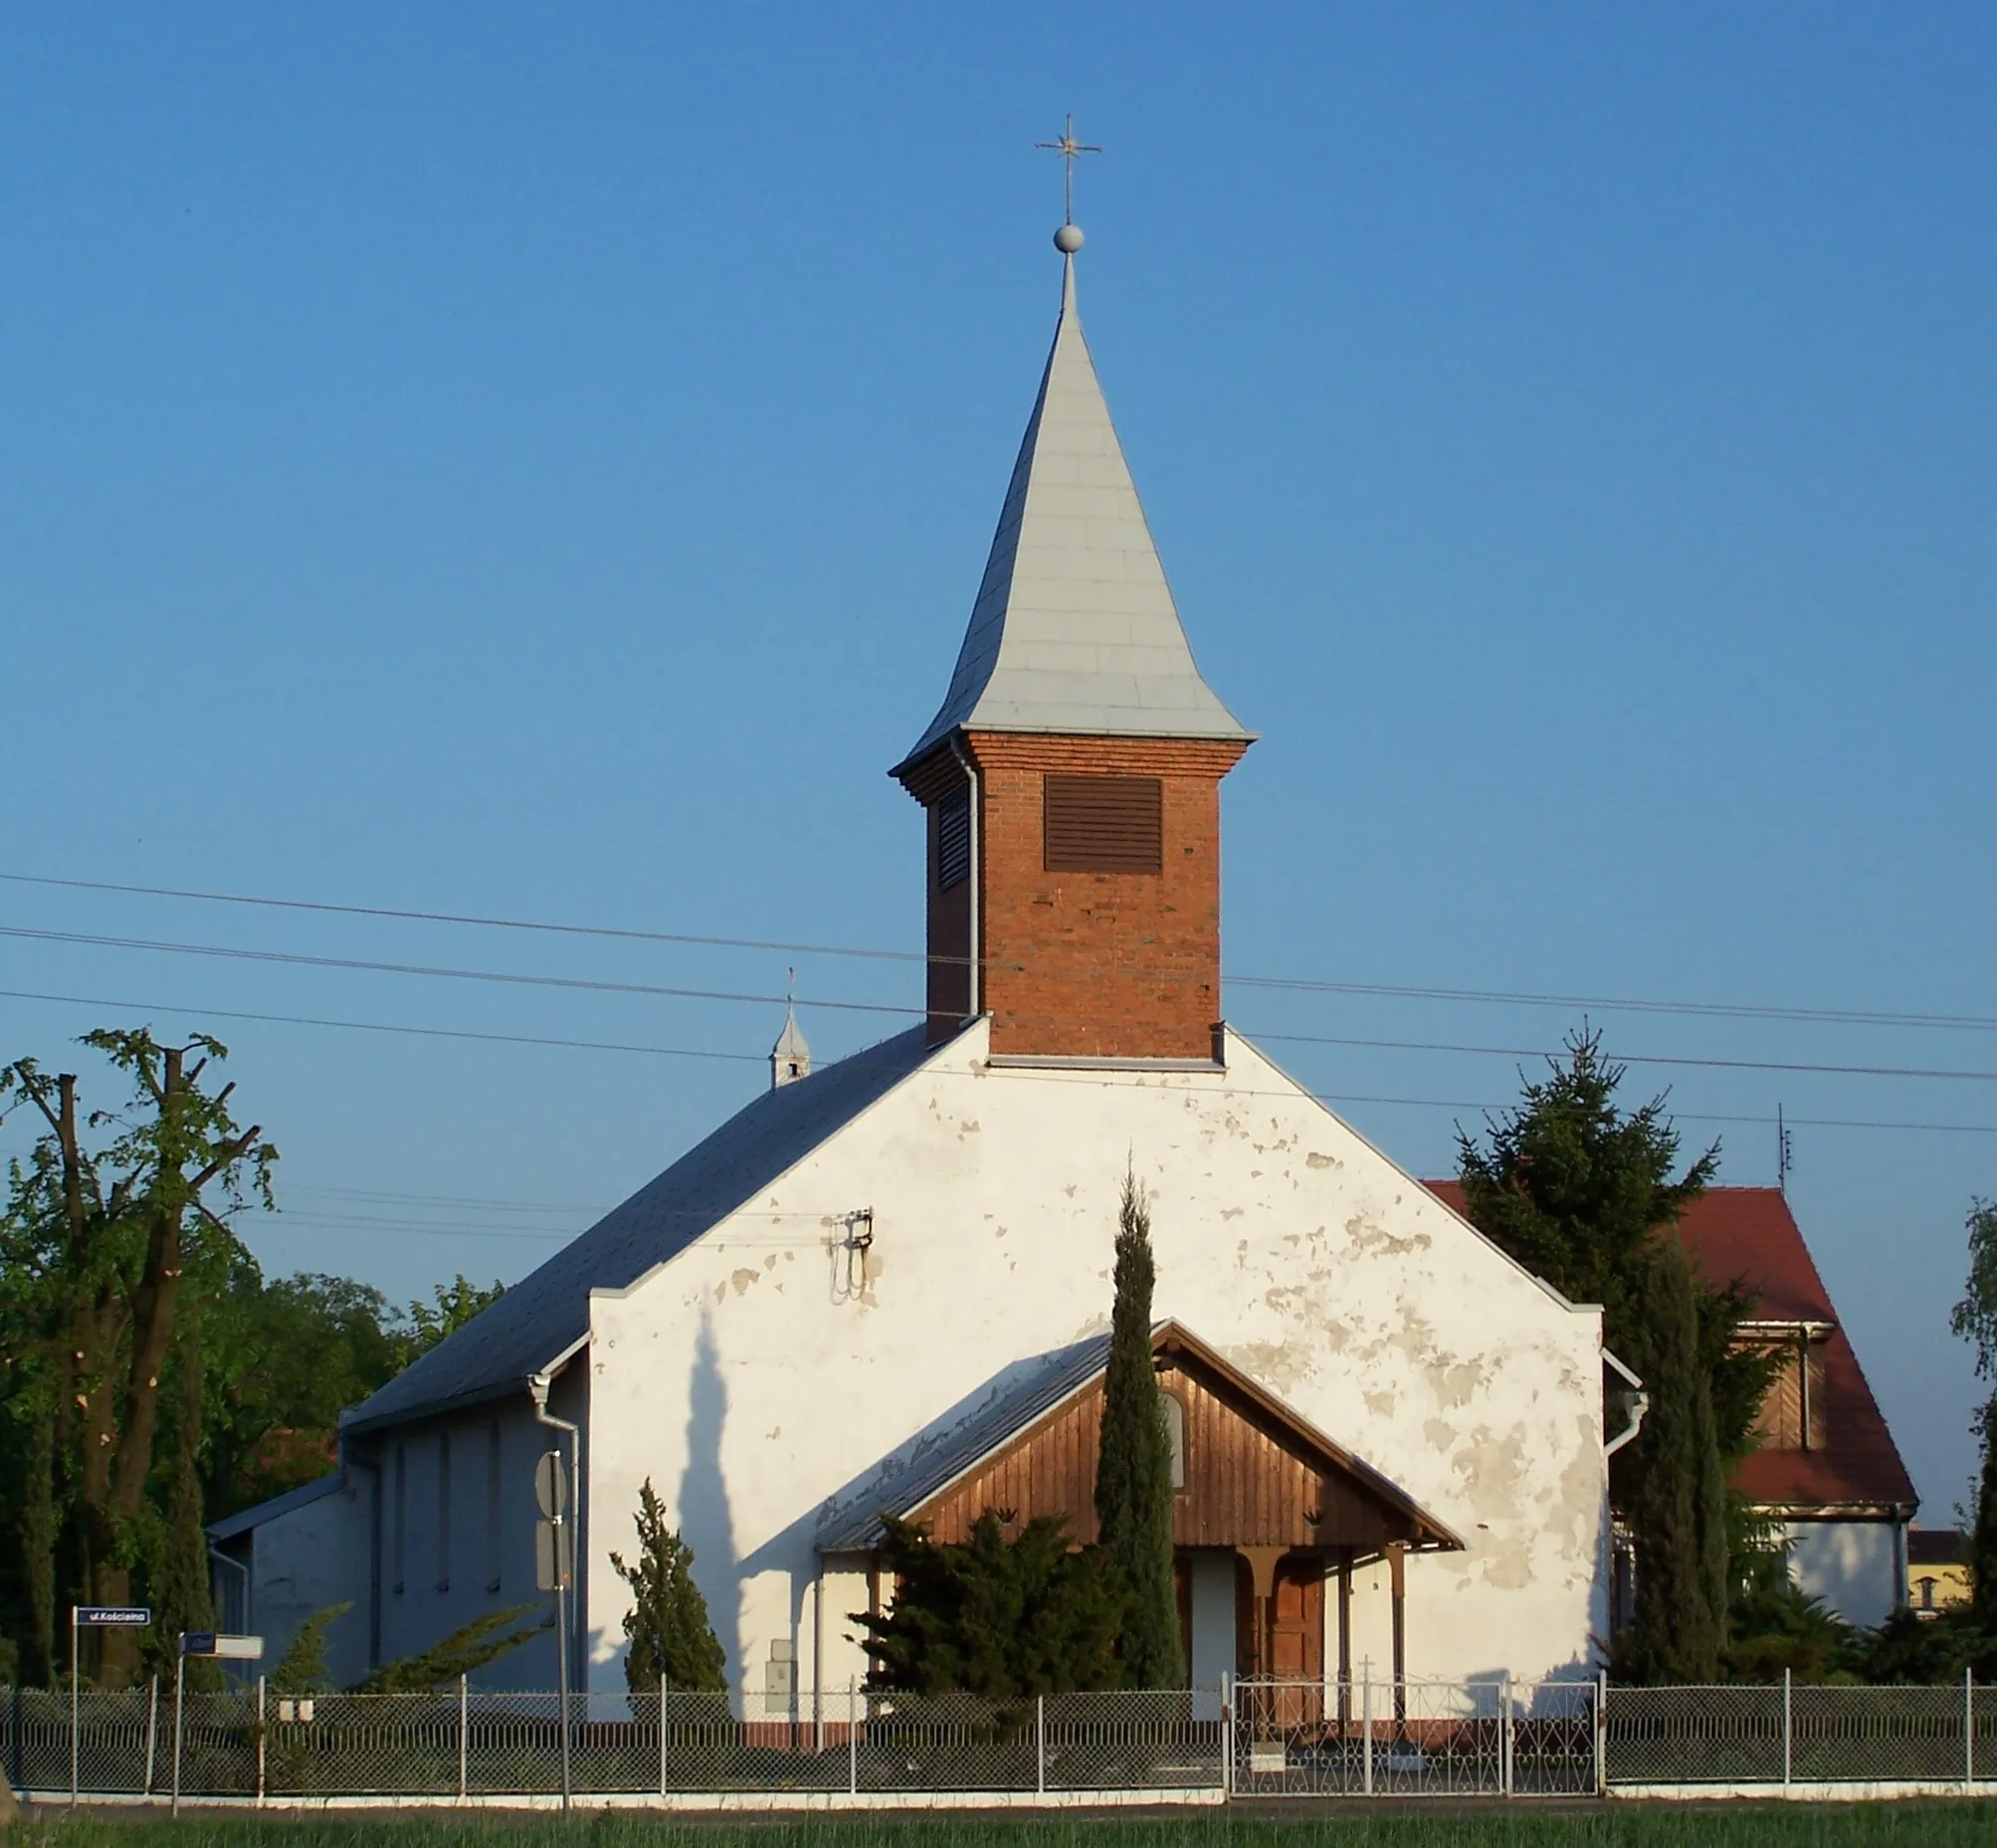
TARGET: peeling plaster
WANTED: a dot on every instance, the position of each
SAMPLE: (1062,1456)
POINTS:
(1274,1364)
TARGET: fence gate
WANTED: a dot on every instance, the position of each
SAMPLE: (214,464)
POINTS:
(1368,1738)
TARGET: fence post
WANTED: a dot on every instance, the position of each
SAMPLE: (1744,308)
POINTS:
(1787,1738)
(852,1736)
(1969,1726)
(1229,1689)
(1504,1740)
(1602,1732)
(662,1733)
(1366,1709)
(464,1736)
(151,1734)
(180,1708)
(259,1740)
(1040,1744)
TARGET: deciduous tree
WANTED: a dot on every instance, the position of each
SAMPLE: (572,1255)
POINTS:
(1974,1319)
(112,1216)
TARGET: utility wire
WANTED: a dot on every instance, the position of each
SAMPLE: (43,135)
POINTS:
(1090,1078)
(379,1026)
(1633,1058)
(453,974)
(489,923)
(1817,1016)
(1479,996)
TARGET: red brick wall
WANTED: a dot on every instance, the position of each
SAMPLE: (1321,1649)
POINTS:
(1102,965)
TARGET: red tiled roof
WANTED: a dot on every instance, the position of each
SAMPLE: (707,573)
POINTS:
(1748,1236)
(1938,1547)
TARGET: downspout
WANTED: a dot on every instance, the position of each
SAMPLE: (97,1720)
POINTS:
(537,1392)
(1634,1405)
(818,1659)
(978,933)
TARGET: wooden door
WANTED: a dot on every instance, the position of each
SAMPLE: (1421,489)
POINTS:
(1297,1639)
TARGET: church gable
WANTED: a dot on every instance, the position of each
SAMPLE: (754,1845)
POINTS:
(1247,1470)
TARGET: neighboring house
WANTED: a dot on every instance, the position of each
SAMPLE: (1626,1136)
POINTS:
(883,1285)
(1937,1570)
(1827,1469)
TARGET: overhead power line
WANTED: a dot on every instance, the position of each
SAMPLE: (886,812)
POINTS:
(379,1026)
(1816,1016)
(1092,1078)
(1820,1016)
(488,924)
(1632,1058)
(453,974)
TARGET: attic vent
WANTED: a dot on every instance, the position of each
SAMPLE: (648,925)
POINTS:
(1105,824)
(953,839)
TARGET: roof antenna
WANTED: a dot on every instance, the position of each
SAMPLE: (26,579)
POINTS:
(1067,240)
(1785,1154)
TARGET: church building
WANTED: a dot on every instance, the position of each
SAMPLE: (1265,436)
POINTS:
(884,1287)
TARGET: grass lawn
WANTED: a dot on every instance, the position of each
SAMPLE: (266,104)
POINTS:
(1905,1825)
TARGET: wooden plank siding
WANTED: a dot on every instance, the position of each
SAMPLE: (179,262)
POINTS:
(1250,1480)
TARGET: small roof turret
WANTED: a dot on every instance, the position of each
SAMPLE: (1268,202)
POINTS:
(790,1056)
(1075,630)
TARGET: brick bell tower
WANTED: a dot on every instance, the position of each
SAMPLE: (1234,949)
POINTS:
(1071,781)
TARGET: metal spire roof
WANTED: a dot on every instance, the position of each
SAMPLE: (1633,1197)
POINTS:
(1075,629)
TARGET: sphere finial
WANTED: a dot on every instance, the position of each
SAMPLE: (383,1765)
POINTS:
(1067,240)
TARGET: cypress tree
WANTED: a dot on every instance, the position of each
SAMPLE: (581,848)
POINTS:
(667,1627)
(1676,1501)
(1134,1469)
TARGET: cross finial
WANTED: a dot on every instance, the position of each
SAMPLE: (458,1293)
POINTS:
(1070,150)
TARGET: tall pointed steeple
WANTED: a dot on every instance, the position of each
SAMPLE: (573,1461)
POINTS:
(1072,776)
(1075,630)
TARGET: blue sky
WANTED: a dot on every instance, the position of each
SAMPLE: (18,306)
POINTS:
(538,461)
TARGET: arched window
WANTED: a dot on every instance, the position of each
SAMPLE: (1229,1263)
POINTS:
(1175,1433)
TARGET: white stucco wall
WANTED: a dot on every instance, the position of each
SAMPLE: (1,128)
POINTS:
(1855,1566)
(754,1383)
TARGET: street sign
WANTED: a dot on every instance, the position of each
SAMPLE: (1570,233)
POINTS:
(555,1555)
(551,1484)
(229,1648)
(111,1616)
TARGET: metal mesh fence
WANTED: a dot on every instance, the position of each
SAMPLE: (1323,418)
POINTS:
(1779,1734)
(1413,1739)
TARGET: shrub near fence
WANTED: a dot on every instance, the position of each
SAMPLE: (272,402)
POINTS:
(1255,1738)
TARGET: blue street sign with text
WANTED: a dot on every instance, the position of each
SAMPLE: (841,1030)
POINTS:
(111,1616)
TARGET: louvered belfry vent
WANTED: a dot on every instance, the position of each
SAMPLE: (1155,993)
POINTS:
(953,839)
(1105,824)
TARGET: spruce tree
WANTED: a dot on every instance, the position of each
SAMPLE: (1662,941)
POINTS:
(1584,1194)
(1675,1503)
(1133,1470)
(667,1627)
